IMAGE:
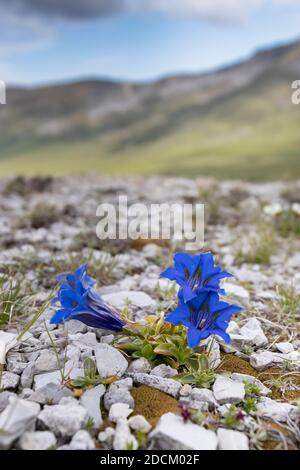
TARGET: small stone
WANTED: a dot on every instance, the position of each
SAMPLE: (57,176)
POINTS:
(27,375)
(185,390)
(7,342)
(135,298)
(82,441)
(264,359)
(107,339)
(118,395)
(26,393)
(252,330)
(69,401)
(164,371)
(39,440)
(63,419)
(122,383)
(195,404)
(110,361)
(90,400)
(251,334)
(4,399)
(46,362)
(41,380)
(226,390)
(169,386)
(139,423)
(204,395)
(107,435)
(75,326)
(232,440)
(275,410)
(123,439)
(19,416)
(9,381)
(253,380)
(239,292)
(119,411)
(15,363)
(73,353)
(84,340)
(55,377)
(214,358)
(140,365)
(151,251)
(122,299)
(50,394)
(172,433)
(285,348)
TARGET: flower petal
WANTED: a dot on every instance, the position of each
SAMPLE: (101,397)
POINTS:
(194,337)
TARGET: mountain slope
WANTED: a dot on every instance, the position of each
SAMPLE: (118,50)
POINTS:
(236,122)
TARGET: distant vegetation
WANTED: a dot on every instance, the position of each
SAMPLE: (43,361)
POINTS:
(235,123)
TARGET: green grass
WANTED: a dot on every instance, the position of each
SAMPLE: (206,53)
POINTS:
(262,246)
(14,301)
(289,302)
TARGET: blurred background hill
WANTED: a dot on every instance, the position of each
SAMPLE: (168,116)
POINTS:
(235,122)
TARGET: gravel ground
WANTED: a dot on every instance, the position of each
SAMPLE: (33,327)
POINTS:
(48,226)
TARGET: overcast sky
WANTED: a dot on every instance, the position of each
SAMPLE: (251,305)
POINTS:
(44,41)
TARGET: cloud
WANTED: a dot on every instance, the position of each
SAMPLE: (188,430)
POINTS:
(70,9)
(227,10)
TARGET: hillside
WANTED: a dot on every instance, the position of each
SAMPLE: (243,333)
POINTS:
(237,122)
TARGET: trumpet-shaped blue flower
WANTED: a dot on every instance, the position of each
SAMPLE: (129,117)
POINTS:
(204,315)
(196,274)
(79,301)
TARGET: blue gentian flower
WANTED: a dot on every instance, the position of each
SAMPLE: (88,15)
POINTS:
(196,274)
(204,315)
(79,301)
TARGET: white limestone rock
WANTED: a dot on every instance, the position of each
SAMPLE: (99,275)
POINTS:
(39,440)
(139,423)
(119,411)
(239,292)
(264,359)
(19,416)
(226,390)
(272,409)
(90,400)
(9,381)
(121,299)
(169,386)
(82,441)
(253,380)
(123,439)
(46,362)
(162,370)
(106,435)
(232,440)
(110,361)
(64,419)
(50,394)
(140,365)
(172,433)
(285,347)
(204,395)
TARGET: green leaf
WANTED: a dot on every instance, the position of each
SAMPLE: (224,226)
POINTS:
(147,352)
(130,347)
(164,349)
(90,368)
